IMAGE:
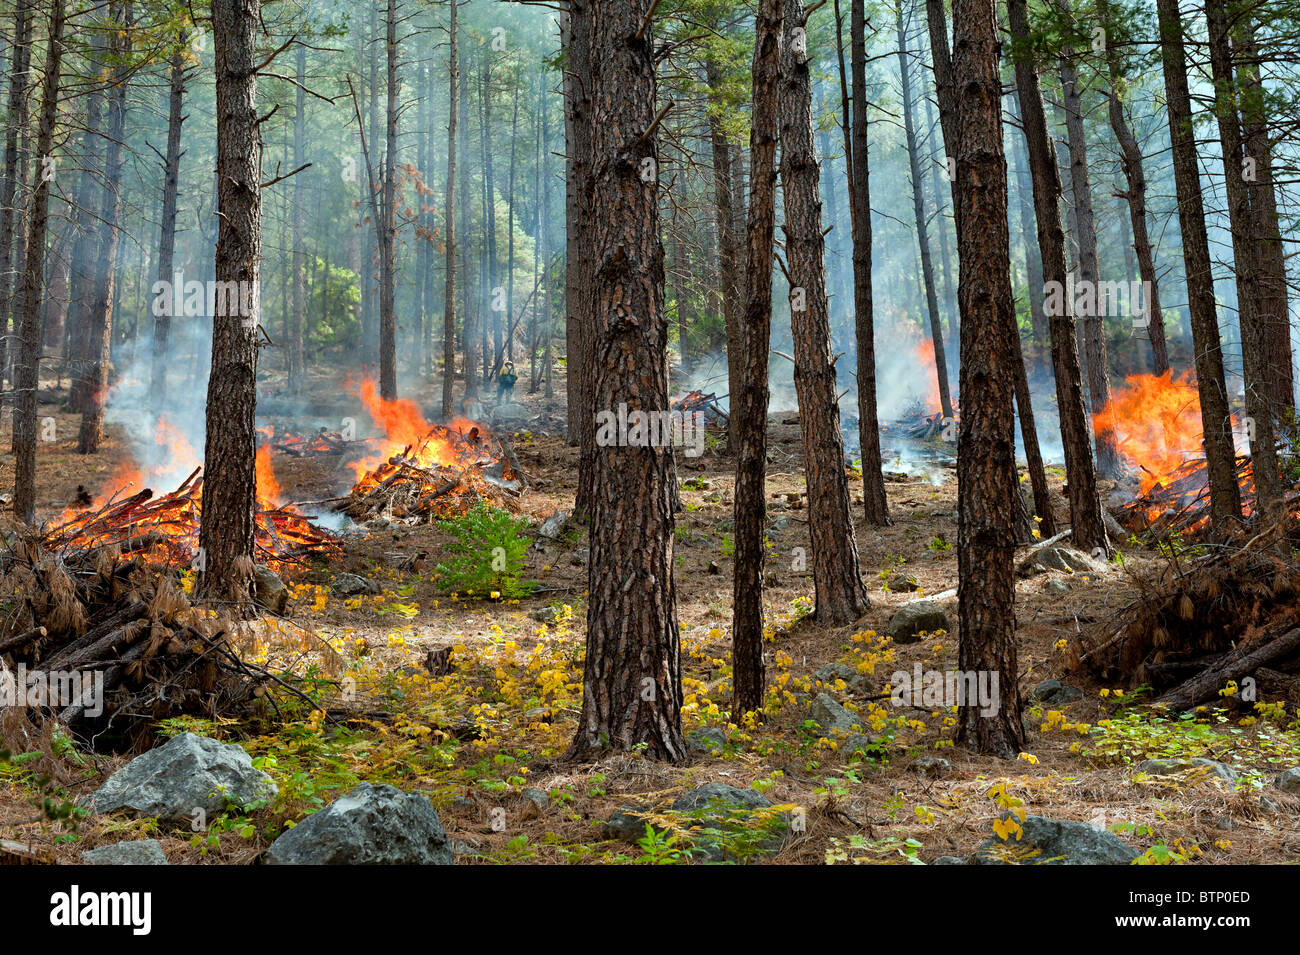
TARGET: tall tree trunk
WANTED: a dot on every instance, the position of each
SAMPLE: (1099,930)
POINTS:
(1041,352)
(1216,422)
(918,209)
(9,184)
(162,322)
(1245,260)
(1136,196)
(229,482)
(632,692)
(986,475)
(1274,310)
(100,317)
(388,220)
(1087,529)
(469,329)
(449,215)
(578,294)
(749,405)
(841,597)
(27,366)
(728,293)
(1094,325)
(548,301)
(875,505)
(297,369)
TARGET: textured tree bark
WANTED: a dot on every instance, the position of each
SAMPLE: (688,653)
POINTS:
(99,319)
(167,227)
(449,290)
(85,243)
(1087,529)
(469,305)
(1094,325)
(388,221)
(27,366)
(749,405)
(918,209)
(986,466)
(1216,422)
(1041,355)
(578,294)
(632,691)
(1136,195)
(1246,267)
(1274,310)
(9,224)
(728,292)
(874,502)
(229,482)
(297,370)
(841,597)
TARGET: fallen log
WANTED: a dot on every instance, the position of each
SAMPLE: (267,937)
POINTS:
(1240,663)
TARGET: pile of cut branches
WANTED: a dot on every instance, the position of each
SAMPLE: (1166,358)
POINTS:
(109,644)
(1202,624)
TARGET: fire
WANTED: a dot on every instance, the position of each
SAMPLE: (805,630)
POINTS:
(924,352)
(1157,423)
(268,488)
(405,429)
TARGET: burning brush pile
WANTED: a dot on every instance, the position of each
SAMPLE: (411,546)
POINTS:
(440,469)
(169,523)
(1157,423)
(108,645)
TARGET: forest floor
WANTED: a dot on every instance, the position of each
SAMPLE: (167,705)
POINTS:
(476,738)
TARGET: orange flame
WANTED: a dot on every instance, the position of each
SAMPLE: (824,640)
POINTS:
(268,488)
(924,352)
(1157,423)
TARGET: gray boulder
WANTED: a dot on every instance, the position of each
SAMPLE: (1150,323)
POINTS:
(269,590)
(831,672)
(948,860)
(1289,782)
(144,852)
(931,766)
(716,808)
(706,739)
(371,825)
(349,585)
(553,526)
(1056,842)
(185,774)
(832,717)
(1055,557)
(1054,692)
(923,616)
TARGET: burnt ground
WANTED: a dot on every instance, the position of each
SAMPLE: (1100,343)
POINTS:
(474,739)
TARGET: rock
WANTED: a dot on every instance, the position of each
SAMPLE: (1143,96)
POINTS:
(143,852)
(1170,767)
(831,672)
(579,558)
(1057,587)
(269,590)
(712,805)
(626,824)
(1056,693)
(1055,557)
(931,766)
(706,739)
(187,773)
(371,825)
(537,797)
(949,860)
(1055,842)
(778,524)
(553,526)
(832,717)
(349,585)
(1289,782)
(901,583)
(923,616)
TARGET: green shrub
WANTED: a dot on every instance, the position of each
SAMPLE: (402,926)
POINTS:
(487,556)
